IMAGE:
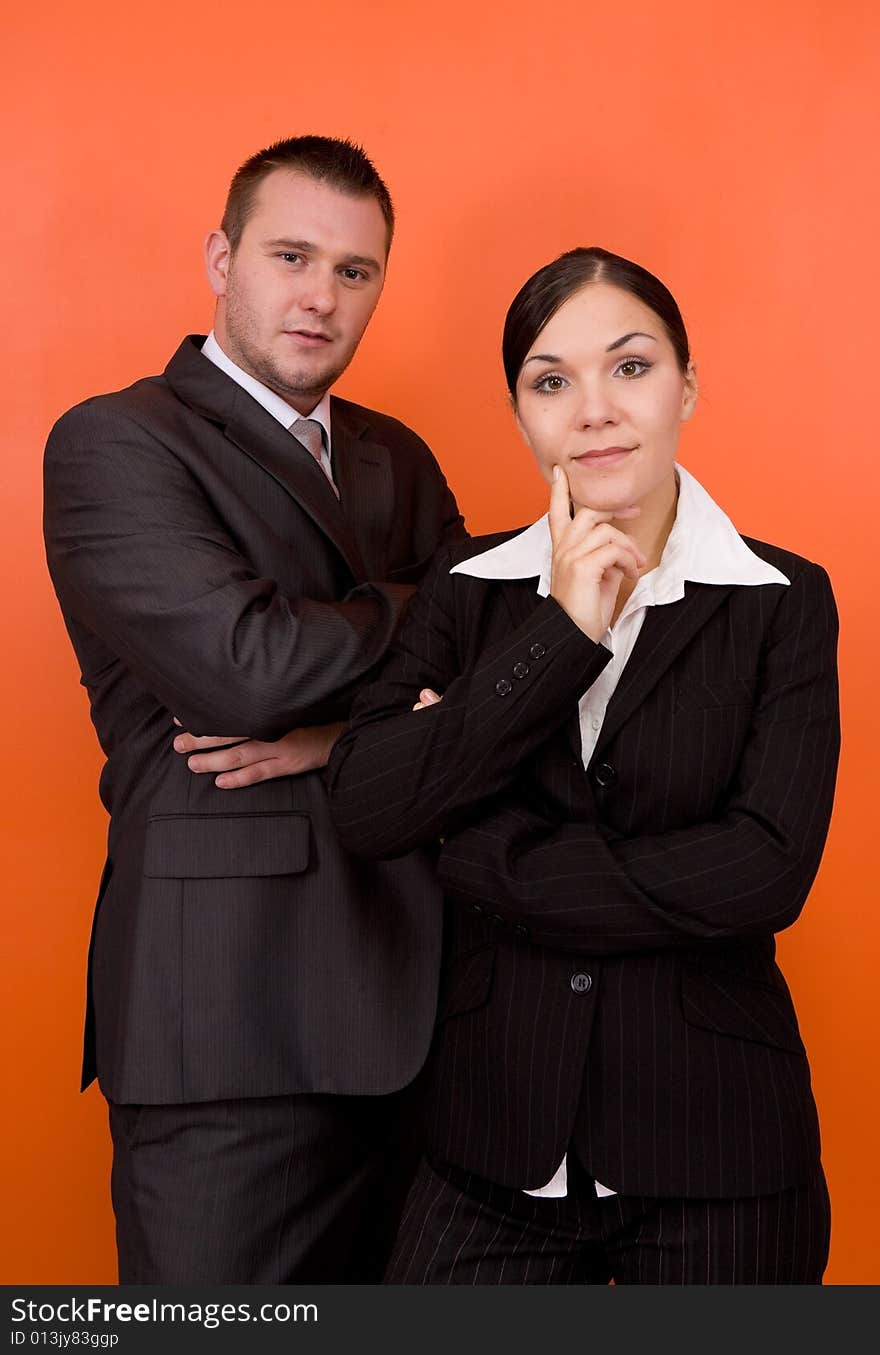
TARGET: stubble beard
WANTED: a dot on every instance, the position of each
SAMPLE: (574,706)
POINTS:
(305,384)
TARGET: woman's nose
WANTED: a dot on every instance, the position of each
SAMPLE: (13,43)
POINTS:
(597,406)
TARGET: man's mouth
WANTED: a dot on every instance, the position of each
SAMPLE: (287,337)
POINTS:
(312,338)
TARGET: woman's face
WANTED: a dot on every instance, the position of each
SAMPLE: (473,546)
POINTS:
(601,394)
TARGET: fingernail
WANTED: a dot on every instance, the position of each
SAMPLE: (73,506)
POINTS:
(555,472)
(178,745)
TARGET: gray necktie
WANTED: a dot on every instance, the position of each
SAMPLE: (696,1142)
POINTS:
(311,434)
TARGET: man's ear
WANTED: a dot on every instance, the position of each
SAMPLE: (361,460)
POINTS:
(689,393)
(218,256)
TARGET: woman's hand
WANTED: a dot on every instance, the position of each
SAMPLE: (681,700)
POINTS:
(590,559)
(249,760)
(427,697)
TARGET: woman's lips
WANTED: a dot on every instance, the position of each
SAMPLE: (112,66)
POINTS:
(603,456)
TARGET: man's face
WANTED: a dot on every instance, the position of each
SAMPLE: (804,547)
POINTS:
(296,295)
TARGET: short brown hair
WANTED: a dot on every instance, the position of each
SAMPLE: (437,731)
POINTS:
(342,164)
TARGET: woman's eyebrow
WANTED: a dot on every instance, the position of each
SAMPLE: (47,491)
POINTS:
(618,343)
(636,334)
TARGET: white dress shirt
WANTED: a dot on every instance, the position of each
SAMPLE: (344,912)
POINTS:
(703,547)
(272,403)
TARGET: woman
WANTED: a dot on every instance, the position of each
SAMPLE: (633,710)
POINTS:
(623,750)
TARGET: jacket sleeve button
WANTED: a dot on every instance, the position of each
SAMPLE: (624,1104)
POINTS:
(503,687)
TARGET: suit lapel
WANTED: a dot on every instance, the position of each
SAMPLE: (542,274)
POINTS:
(665,633)
(262,438)
(363,475)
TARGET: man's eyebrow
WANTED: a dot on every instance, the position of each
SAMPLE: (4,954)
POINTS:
(636,334)
(283,243)
(308,247)
(364,260)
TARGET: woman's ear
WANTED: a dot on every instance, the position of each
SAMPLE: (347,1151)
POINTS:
(519,423)
(689,392)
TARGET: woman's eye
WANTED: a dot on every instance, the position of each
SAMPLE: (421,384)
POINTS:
(549,384)
(632,367)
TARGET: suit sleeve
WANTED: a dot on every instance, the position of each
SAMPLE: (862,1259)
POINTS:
(138,556)
(577,887)
(400,778)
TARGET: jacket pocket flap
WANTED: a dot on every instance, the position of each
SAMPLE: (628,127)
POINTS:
(467,982)
(213,846)
(731,1005)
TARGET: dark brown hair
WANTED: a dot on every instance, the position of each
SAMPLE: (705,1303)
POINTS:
(341,164)
(538,300)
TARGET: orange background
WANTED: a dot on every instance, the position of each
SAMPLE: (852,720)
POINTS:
(733,153)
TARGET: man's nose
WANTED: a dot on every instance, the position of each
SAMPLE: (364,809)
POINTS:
(318,292)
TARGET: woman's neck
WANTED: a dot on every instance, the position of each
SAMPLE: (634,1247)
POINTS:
(650,531)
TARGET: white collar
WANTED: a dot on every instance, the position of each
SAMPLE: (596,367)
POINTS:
(703,547)
(278,408)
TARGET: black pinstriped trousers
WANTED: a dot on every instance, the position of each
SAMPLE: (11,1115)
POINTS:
(264,1190)
(460,1229)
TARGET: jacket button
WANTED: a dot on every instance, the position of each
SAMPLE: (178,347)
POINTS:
(521,929)
(503,687)
(497,919)
(604,775)
(521,670)
(476,908)
(537,651)
(581,983)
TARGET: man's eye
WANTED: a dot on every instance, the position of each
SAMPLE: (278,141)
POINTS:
(354,274)
(289,257)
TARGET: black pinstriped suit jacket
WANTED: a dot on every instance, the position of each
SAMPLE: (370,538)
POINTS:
(206,570)
(610,976)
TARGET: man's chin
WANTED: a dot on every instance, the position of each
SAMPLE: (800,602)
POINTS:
(300,384)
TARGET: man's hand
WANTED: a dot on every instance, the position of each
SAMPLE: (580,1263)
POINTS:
(242,762)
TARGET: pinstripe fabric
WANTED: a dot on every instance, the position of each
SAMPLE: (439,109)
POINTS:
(260,1190)
(610,976)
(459,1229)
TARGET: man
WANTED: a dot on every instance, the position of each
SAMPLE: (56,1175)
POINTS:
(255,997)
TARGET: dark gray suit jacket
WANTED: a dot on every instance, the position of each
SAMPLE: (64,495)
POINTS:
(206,570)
(610,978)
